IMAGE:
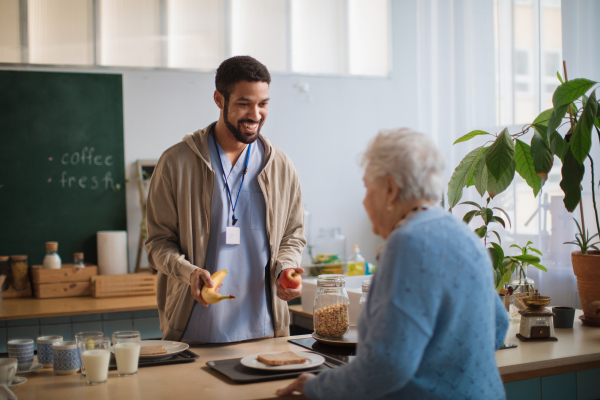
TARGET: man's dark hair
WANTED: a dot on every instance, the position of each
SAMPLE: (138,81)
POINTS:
(239,68)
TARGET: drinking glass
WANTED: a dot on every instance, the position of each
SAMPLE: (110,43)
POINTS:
(96,358)
(81,338)
(127,351)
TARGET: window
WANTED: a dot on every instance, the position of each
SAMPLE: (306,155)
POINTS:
(293,36)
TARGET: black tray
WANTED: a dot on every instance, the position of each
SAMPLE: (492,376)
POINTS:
(238,373)
(183,357)
(335,355)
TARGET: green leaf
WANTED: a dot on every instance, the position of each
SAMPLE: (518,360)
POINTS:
(524,164)
(570,91)
(556,119)
(494,256)
(504,212)
(469,216)
(472,203)
(480,174)
(558,145)
(500,221)
(559,77)
(572,173)
(498,253)
(515,245)
(470,136)
(496,187)
(526,258)
(498,236)
(481,231)
(500,155)
(486,215)
(536,251)
(503,280)
(540,267)
(581,141)
(542,131)
(541,155)
(543,118)
(461,175)
(471,181)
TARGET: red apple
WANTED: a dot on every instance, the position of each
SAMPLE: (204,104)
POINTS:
(290,279)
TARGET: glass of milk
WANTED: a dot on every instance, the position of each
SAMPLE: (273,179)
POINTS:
(84,343)
(127,351)
(96,358)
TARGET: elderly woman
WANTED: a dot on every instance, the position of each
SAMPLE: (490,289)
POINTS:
(433,319)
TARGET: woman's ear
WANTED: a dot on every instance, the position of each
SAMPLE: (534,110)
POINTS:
(392,190)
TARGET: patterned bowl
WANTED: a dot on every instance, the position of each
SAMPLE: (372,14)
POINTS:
(65,358)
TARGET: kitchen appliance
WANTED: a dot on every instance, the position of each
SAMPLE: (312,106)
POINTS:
(536,321)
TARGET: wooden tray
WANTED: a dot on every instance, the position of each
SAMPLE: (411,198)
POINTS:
(124,285)
(64,282)
(67,273)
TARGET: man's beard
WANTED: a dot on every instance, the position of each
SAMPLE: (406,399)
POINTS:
(237,133)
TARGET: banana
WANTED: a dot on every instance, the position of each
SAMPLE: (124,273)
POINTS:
(209,295)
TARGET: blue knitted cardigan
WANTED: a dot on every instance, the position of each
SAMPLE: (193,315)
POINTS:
(432,321)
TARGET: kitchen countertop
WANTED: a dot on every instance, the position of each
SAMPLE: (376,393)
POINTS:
(30,307)
(192,380)
(577,349)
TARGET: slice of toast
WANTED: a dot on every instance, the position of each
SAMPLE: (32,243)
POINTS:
(283,358)
(150,350)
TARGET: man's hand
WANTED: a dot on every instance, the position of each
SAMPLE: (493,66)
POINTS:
(198,279)
(295,387)
(289,294)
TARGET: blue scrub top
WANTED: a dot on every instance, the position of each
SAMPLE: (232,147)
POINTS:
(248,316)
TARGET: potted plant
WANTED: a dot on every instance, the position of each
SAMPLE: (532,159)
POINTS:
(521,262)
(501,273)
(491,168)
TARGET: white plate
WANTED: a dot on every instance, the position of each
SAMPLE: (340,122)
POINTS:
(34,367)
(312,360)
(171,347)
(17,380)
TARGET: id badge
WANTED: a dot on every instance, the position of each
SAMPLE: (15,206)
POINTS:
(232,235)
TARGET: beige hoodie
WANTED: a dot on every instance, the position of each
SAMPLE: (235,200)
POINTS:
(179,217)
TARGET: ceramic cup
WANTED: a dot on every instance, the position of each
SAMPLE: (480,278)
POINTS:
(563,317)
(8,369)
(44,349)
(22,350)
(65,359)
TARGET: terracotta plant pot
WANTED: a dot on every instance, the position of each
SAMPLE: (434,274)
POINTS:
(587,270)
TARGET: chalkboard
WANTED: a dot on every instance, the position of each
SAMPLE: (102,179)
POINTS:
(61,163)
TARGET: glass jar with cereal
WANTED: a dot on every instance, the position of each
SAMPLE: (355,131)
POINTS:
(330,311)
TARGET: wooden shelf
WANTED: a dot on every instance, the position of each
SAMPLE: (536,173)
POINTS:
(42,308)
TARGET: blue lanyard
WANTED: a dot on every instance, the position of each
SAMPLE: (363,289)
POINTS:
(233,206)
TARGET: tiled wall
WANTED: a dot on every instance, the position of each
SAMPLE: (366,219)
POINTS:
(144,321)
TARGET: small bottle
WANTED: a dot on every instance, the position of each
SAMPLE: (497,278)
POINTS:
(365,293)
(356,263)
(78,260)
(52,259)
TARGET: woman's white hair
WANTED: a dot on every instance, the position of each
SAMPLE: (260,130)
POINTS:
(411,158)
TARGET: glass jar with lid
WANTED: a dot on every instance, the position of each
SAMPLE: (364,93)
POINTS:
(330,312)
(365,293)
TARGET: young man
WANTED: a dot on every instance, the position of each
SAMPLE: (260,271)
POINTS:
(226,198)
